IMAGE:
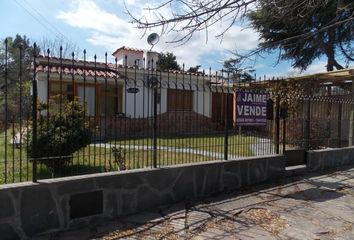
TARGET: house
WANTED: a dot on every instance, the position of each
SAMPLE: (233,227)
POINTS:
(121,95)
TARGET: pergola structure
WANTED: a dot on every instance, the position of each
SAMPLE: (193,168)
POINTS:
(334,78)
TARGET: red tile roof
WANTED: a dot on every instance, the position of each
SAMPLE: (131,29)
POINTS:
(78,67)
(128,49)
(78,71)
(81,67)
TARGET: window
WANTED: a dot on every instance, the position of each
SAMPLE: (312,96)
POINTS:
(66,90)
(110,100)
(89,94)
(179,100)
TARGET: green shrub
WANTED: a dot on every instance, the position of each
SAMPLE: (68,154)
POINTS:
(119,158)
(60,134)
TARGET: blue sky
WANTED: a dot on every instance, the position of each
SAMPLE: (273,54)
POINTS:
(101,25)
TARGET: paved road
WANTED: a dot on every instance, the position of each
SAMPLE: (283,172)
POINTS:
(304,207)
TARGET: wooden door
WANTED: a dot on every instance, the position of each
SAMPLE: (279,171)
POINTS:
(218,107)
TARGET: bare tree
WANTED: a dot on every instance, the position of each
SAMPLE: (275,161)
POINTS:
(190,16)
(186,17)
(54,45)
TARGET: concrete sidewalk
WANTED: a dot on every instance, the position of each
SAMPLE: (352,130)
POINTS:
(305,207)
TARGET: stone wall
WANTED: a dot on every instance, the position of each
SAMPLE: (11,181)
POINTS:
(318,160)
(30,209)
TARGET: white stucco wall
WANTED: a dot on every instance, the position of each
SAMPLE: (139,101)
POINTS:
(202,103)
(42,87)
(151,58)
(132,56)
(140,104)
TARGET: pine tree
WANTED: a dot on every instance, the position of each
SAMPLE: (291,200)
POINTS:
(305,31)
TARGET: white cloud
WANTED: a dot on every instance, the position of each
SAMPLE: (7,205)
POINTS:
(317,67)
(130,2)
(88,15)
(112,31)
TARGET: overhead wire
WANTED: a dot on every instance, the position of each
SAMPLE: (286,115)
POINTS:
(52,29)
(45,19)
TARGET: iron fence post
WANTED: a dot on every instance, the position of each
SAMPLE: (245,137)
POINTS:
(340,125)
(154,133)
(226,132)
(351,125)
(34,117)
(6,107)
(277,125)
(284,135)
(307,125)
(351,119)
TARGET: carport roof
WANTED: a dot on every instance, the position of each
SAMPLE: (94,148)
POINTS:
(334,76)
(345,76)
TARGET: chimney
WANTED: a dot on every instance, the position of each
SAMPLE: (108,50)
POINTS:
(151,58)
(134,56)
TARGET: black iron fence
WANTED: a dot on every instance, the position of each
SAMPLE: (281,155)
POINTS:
(78,116)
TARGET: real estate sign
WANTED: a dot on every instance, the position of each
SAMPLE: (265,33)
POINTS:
(251,108)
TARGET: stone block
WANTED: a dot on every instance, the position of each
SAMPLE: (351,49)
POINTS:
(7,232)
(128,192)
(76,186)
(148,199)
(331,159)
(275,167)
(199,180)
(184,186)
(230,181)
(313,163)
(126,180)
(244,170)
(232,167)
(6,205)
(64,211)
(212,179)
(38,211)
(257,171)
(161,179)
(86,204)
(230,175)
(348,156)
(127,203)
(111,205)
(327,159)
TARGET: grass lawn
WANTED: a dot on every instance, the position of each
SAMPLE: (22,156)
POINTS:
(92,159)
(17,166)
(239,145)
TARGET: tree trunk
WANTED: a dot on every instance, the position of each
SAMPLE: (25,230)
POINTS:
(351,120)
(337,65)
(330,62)
(329,50)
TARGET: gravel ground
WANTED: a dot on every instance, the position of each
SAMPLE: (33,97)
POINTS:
(304,207)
